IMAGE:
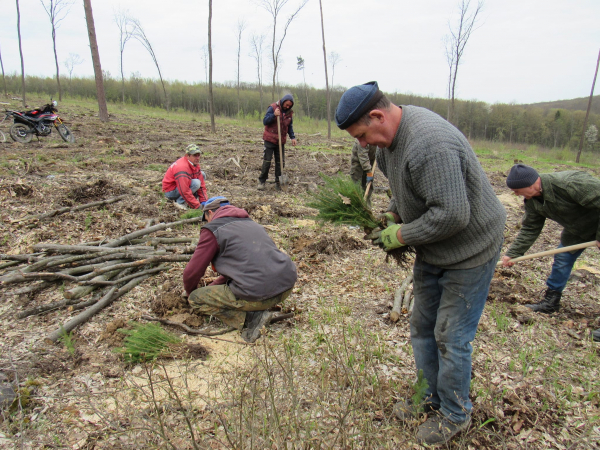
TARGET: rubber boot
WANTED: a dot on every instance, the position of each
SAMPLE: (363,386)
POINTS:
(596,335)
(549,304)
(264,174)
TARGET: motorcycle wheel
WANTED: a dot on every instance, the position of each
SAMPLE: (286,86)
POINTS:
(21,133)
(65,133)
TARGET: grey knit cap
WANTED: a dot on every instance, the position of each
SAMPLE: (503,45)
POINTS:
(355,102)
(521,176)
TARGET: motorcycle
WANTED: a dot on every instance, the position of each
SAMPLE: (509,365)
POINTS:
(38,122)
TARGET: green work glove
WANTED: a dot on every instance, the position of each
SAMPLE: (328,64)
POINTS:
(388,238)
(387,219)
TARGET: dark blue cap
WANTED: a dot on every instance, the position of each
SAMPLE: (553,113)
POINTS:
(355,102)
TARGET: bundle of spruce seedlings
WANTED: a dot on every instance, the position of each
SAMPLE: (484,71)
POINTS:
(101,271)
(341,201)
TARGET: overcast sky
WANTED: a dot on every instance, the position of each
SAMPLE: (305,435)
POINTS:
(523,51)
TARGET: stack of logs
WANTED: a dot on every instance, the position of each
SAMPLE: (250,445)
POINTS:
(113,267)
(403,300)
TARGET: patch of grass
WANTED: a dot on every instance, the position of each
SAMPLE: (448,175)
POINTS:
(157,167)
(66,339)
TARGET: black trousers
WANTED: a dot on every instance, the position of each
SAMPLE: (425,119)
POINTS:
(269,151)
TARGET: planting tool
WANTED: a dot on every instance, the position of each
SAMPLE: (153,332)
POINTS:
(570,248)
(370,182)
(283,178)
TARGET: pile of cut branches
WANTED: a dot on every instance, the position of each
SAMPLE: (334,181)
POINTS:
(341,201)
(104,271)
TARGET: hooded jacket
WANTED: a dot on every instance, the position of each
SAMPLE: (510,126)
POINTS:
(243,253)
(270,122)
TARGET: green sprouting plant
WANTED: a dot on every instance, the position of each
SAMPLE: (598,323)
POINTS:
(88,221)
(191,213)
(420,386)
(66,338)
(146,342)
(341,201)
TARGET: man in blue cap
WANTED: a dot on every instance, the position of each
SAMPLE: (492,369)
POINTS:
(570,198)
(283,110)
(254,274)
(444,206)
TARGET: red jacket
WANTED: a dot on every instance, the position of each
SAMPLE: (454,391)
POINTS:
(179,176)
(270,134)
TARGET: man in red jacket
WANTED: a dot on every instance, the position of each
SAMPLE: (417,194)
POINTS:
(283,110)
(184,182)
(254,274)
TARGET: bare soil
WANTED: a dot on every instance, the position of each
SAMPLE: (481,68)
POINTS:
(128,156)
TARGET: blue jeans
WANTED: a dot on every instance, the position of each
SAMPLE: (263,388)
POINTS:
(561,269)
(447,308)
(174,194)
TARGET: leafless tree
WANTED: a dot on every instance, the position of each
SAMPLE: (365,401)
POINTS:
(334,59)
(211,98)
(73,60)
(100,94)
(256,43)
(241,26)
(300,66)
(327,93)
(57,10)
(21,53)
(204,58)
(456,42)
(3,77)
(274,7)
(140,35)
(125,33)
(136,80)
(587,114)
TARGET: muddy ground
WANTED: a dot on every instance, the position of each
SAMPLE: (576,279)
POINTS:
(128,156)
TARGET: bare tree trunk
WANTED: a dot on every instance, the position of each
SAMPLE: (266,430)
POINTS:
(588,110)
(89,18)
(210,87)
(3,77)
(123,23)
(21,53)
(140,35)
(274,8)
(328,94)
(240,28)
(455,46)
(257,47)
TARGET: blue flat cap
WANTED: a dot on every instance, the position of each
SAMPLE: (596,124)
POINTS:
(355,102)
(521,176)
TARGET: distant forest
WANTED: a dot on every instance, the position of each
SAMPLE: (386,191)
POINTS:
(553,124)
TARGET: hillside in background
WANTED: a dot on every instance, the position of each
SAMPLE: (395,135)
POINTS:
(575,104)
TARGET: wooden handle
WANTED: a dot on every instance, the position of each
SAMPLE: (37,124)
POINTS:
(280,149)
(371,182)
(570,248)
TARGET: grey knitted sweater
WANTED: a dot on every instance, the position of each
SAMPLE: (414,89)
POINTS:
(441,193)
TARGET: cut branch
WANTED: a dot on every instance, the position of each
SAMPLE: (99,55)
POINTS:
(398,297)
(56,212)
(83,317)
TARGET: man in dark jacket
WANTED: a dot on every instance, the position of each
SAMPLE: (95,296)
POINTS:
(254,274)
(283,110)
(442,204)
(570,198)
(361,166)
(184,181)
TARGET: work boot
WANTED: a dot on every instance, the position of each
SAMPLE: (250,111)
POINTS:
(261,186)
(277,186)
(255,320)
(596,335)
(405,410)
(437,429)
(550,303)
(181,206)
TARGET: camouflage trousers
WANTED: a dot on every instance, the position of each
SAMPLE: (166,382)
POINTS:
(219,301)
